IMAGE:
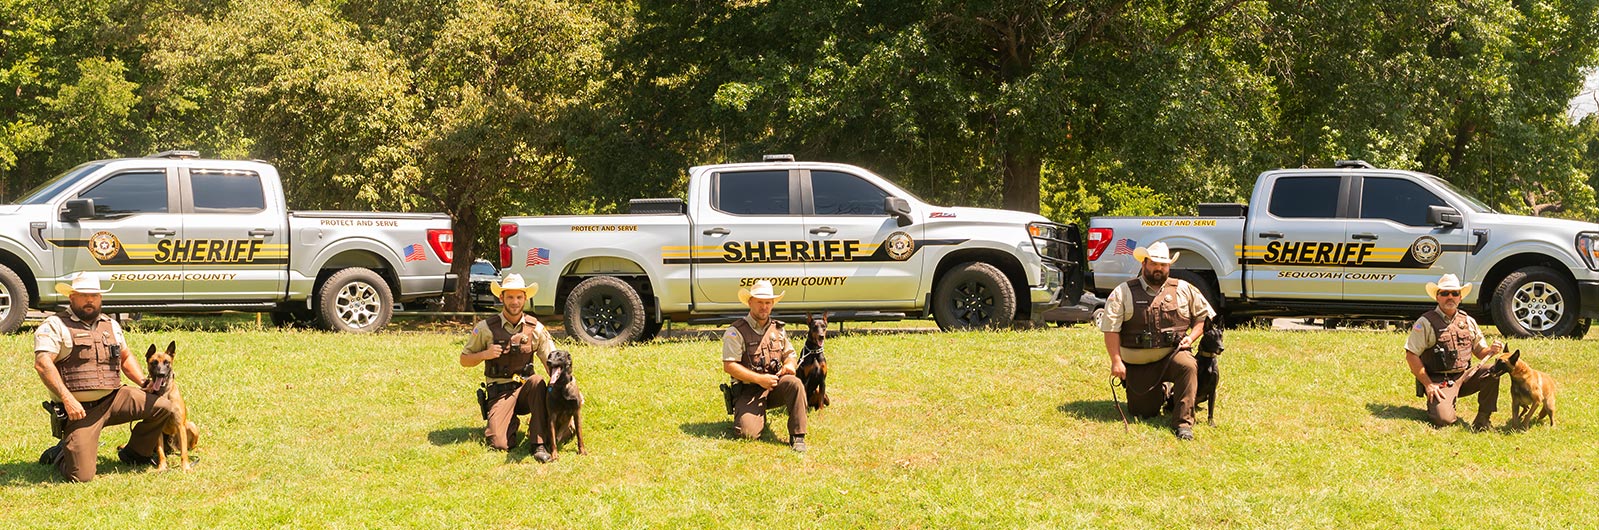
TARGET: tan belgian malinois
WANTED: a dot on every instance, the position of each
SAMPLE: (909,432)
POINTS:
(163,383)
(1532,393)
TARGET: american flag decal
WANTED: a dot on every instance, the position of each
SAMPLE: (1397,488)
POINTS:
(1125,246)
(538,256)
(414,252)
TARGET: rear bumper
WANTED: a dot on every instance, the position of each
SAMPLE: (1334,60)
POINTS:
(1588,293)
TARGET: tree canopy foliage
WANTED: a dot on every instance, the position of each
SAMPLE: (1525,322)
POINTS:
(484,108)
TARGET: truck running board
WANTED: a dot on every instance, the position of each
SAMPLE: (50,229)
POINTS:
(799,318)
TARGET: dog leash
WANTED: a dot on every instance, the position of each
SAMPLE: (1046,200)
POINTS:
(1114,400)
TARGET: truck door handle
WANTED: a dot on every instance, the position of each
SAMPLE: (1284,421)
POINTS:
(718,231)
(1272,235)
(260,232)
(1364,237)
(162,232)
(824,230)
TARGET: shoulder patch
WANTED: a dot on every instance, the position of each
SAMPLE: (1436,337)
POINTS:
(1417,327)
(731,332)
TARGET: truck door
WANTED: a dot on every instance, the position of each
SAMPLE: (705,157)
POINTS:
(135,212)
(751,228)
(858,252)
(233,247)
(1405,251)
(1290,249)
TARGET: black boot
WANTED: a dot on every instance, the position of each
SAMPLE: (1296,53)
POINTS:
(49,456)
(127,456)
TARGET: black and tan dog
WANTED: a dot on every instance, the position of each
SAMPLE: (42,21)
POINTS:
(1210,346)
(564,403)
(813,362)
(1532,393)
(163,382)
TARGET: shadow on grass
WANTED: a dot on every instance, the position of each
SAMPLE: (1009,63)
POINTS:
(716,430)
(456,435)
(1396,412)
(1096,410)
(27,472)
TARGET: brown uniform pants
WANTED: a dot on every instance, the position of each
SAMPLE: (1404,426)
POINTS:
(1475,380)
(752,401)
(1146,394)
(503,412)
(79,456)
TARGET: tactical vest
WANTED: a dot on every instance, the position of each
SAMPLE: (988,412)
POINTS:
(1453,343)
(763,353)
(1156,313)
(513,361)
(89,366)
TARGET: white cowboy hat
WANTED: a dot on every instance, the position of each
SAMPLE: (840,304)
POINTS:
(514,282)
(1156,253)
(1448,282)
(762,290)
(82,282)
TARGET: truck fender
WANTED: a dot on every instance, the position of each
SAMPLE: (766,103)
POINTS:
(19,256)
(386,258)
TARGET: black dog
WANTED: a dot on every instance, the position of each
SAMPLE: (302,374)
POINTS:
(563,403)
(813,363)
(1210,347)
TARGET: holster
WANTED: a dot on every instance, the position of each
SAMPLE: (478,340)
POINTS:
(483,400)
(729,391)
(58,418)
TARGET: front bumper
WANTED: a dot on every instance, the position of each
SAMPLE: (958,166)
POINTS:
(1588,293)
(1046,297)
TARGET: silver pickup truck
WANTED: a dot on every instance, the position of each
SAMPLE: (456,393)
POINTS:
(834,237)
(175,233)
(1355,241)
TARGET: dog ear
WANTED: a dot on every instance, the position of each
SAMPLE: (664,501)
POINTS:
(1514,357)
(172,349)
(150,353)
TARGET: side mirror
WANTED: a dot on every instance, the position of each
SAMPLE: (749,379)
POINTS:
(1444,216)
(76,209)
(899,209)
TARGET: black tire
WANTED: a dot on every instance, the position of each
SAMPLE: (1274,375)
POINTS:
(1536,302)
(354,300)
(13,300)
(973,295)
(605,311)
(1211,292)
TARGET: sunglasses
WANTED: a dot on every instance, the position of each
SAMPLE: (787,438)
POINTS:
(1448,293)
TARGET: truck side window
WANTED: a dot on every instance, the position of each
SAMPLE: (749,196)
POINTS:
(129,193)
(837,193)
(751,193)
(1398,200)
(1305,197)
(227,192)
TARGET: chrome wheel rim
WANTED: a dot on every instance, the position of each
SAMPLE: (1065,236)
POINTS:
(358,304)
(1537,306)
(5,302)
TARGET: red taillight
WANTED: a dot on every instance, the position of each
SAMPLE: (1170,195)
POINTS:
(443,243)
(506,231)
(1098,241)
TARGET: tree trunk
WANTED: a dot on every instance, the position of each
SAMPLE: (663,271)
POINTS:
(1022,173)
(463,222)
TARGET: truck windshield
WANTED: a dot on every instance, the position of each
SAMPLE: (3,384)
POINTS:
(44,192)
(1476,205)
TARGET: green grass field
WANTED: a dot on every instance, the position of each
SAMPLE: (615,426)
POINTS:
(1315,429)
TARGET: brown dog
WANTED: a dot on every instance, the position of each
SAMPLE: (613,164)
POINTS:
(812,369)
(1532,393)
(564,403)
(162,382)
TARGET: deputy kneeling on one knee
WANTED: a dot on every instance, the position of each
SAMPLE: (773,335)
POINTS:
(505,344)
(1151,324)
(81,356)
(757,353)
(1439,351)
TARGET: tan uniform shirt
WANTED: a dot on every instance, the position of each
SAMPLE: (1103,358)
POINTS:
(733,345)
(482,337)
(1422,336)
(1119,309)
(54,339)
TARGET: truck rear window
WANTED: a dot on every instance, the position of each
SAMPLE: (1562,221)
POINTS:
(752,193)
(1305,197)
(227,192)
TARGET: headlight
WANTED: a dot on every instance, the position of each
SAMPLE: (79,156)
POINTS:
(1588,248)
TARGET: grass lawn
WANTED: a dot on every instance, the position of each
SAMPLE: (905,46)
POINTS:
(1316,429)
